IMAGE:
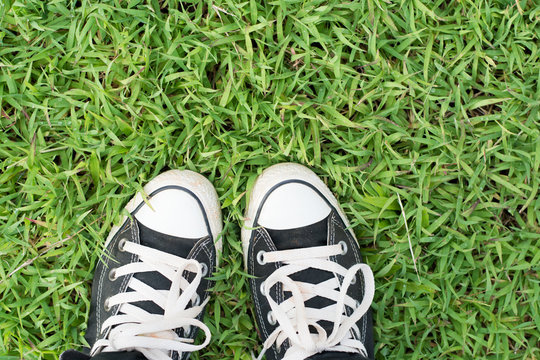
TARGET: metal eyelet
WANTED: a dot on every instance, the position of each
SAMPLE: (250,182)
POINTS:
(197,301)
(263,289)
(121,244)
(204,269)
(106,305)
(344,248)
(112,274)
(353,281)
(260,257)
(271,319)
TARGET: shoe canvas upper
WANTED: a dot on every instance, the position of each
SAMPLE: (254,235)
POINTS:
(329,231)
(201,249)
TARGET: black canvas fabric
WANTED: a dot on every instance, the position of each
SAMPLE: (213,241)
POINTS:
(202,250)
(73,355)
(334,355)
(329,231)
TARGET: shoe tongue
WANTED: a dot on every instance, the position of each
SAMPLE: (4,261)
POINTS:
(303,237)
(308,236)
(170,244)
(334,355)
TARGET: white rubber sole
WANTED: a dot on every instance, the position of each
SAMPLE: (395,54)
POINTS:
(272,176)
(196,183)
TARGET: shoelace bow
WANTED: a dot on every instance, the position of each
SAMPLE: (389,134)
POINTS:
(153,335)
(295,320)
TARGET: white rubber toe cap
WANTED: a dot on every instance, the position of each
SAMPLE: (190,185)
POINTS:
(286,201)
(292,205)
(178,200)
(174,212)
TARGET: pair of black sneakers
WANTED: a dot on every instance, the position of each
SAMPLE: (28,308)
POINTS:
(311,292)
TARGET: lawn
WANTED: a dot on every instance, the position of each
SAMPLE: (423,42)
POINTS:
(421,116)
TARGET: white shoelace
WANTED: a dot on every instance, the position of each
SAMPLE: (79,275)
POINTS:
(294,319)
(153,334)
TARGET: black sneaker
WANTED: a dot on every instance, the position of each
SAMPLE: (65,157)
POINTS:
(150,287)
(310,290)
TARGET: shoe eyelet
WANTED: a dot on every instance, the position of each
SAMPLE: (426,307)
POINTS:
(106,305)
(263,289)
(204,269)
(271,319)
(344,248)
(357,304)
(260,257)
(122,244)
(197,301)
(112,274)
(353,281)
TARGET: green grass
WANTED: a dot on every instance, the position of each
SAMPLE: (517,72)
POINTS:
(434,102)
